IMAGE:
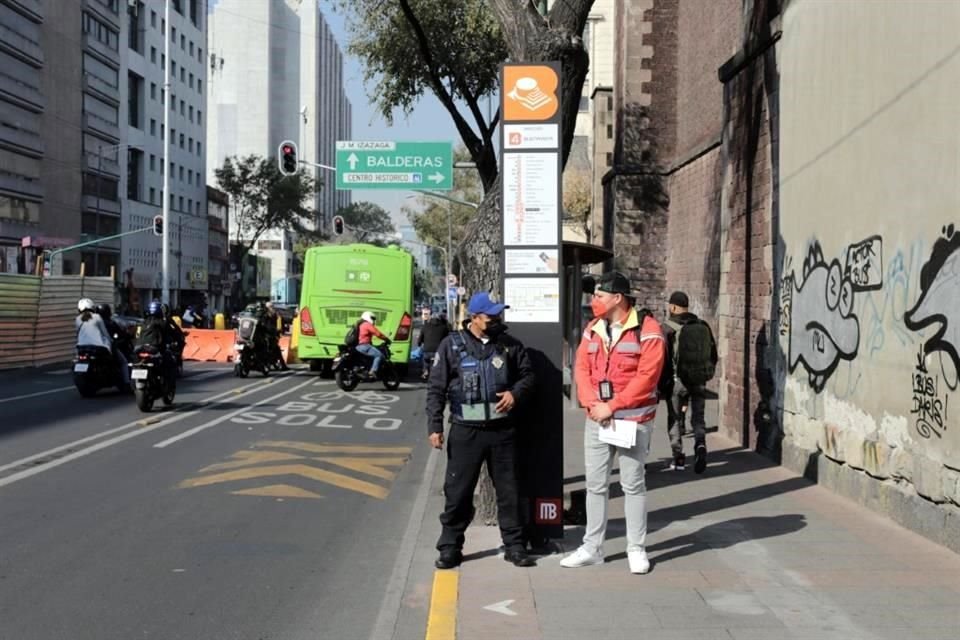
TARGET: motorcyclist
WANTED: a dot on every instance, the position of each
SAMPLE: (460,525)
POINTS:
(368,330)
(156,333)
(91,330)
(119,338)
(273,336)
(176,337)
(265,334)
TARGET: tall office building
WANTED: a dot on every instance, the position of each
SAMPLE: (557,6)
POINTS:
(144,132)
(277,74)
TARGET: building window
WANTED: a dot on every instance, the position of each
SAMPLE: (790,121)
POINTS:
(163,96)
(198,147)
(173,35)
(199,116)
(191,48)
(199,86)
(153,165)
(173,203)
(153,55)
(183,42)
(163,25)
(190,176)
(153,19)
(135,37)
(153,196)
(199,54)
(191,113)
(173,169)
(135,100)
(173,68)
(609,159)
(134,173)
(181,204)
(194,13)
(183,108)
(181,143)
(101,32)
(173,135)
(163,133)
(191,81)
(190,145)
(181,173)
(105,186)
(609,132)
(153,127)
(153,90)
(183,75)
(268,245)
(163,61)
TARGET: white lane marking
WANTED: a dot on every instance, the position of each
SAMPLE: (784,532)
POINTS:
(207,374)
(224,418)
(214,399)
(393,595)
(34,395)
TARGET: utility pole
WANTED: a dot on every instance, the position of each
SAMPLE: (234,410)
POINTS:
(446,290)
(165,291)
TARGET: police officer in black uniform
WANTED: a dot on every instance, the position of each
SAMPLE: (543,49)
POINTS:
(484,373)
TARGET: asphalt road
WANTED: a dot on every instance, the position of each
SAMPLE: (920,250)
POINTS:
(261,508)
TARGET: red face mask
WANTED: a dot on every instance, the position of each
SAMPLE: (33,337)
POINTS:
(599,308)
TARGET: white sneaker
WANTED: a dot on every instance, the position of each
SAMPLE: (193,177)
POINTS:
(639,563)
(582,557)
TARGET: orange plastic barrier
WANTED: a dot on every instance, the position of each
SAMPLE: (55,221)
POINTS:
(209,345)
(285,348)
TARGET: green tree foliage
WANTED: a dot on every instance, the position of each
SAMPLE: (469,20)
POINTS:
(367,222)
(429,216)
(262,198)
(452,49)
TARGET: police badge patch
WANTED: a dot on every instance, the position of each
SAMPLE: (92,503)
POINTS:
(497,362)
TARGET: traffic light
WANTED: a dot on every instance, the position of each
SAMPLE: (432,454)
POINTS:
(287,157)
(338,225)
(158,225)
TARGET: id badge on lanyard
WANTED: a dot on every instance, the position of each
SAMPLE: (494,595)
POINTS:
(606,390)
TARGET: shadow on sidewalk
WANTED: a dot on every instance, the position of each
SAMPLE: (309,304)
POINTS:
(722,535)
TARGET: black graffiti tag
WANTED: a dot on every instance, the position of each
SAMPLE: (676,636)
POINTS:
(929,407)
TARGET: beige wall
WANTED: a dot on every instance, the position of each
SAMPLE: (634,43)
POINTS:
(869,192)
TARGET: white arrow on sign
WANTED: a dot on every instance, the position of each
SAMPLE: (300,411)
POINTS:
(353,160)
(437,178)
(502,607)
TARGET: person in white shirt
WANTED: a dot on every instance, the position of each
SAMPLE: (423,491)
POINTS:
(91,330)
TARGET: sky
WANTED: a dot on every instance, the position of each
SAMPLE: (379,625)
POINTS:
(428,122)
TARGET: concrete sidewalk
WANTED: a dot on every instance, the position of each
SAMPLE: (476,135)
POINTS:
(746,551)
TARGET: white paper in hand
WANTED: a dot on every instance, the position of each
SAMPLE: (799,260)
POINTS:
(620,433)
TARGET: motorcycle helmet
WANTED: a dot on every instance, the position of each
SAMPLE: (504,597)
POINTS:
(155,309)
(368,317)
(85,304)
(104,311)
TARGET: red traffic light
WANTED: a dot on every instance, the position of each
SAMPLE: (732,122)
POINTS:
(338,225)
(287,148)
(287,158)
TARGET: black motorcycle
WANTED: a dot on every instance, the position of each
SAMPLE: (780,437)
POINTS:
(150,378)
(95,368)
(251,354)
(351,367)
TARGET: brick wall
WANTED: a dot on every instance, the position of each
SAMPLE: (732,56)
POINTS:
(747,306)
(693,234)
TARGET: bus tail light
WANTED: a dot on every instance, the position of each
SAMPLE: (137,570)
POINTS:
(306,323)
(406,323)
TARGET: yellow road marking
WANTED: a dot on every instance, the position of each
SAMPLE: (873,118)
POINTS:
(333,448)
(320,475)
(247,458)
(442,619)
(278,491)
(369,466)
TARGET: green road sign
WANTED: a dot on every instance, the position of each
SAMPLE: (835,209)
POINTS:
(394,165)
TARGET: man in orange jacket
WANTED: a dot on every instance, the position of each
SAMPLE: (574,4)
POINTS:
(618,366)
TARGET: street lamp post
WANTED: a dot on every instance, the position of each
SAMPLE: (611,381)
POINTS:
(165,291)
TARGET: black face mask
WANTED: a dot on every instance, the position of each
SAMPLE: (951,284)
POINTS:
(496,329)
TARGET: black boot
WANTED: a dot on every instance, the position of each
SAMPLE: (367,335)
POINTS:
(449,559)
(519,557)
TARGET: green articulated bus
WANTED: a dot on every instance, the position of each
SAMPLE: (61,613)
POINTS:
(340,282)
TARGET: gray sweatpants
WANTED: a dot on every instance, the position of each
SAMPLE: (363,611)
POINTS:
(598,459)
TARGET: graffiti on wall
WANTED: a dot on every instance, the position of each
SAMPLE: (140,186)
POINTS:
(930,401)
(823,328)
(939,304)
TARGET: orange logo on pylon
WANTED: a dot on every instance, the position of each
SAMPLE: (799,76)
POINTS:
(530,93)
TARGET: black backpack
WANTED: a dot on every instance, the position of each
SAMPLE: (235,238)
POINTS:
(665,383)
(694,352)
(352,339)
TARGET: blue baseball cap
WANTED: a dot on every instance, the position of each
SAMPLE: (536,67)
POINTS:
(484,303)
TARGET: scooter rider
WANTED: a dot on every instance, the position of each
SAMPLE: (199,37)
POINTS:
(156,333)
(119,339)
(368,330)
(92,331)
